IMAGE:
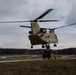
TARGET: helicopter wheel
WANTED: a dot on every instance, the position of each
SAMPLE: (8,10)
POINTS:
(43,46)
(31,46)
(55,45)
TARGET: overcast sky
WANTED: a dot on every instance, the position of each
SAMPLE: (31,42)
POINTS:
(12,36)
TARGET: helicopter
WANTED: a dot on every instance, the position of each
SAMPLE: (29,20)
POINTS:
(40,36)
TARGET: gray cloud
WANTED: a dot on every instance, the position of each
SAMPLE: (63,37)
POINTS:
(10,7)
(72,15)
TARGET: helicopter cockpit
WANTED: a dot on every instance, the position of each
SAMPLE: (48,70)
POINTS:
(42,30)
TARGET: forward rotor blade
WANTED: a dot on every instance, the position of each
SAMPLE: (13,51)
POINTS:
(49,10)
(28,21)
(25,26)
(15,21)
(65,26)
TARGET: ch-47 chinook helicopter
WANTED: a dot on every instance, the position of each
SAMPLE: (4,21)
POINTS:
(39,35)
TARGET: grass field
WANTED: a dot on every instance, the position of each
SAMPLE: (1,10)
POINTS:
(40,67)
(18,57)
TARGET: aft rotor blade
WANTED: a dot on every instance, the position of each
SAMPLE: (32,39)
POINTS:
(25,26)
(48,20)
(49,10)
(60,27)
(65,26)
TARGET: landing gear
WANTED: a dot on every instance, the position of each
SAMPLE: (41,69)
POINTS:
(43,46)
(55,45)
(47,46)
(31,46)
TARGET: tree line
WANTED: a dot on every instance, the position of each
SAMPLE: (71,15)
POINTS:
(67,51)
(13,51)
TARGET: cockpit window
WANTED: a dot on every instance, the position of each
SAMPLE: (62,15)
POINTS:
(42,30)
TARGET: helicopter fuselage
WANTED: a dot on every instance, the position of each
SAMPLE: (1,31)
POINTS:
(41,38)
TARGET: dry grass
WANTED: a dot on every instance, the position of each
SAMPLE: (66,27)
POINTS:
(42,67)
